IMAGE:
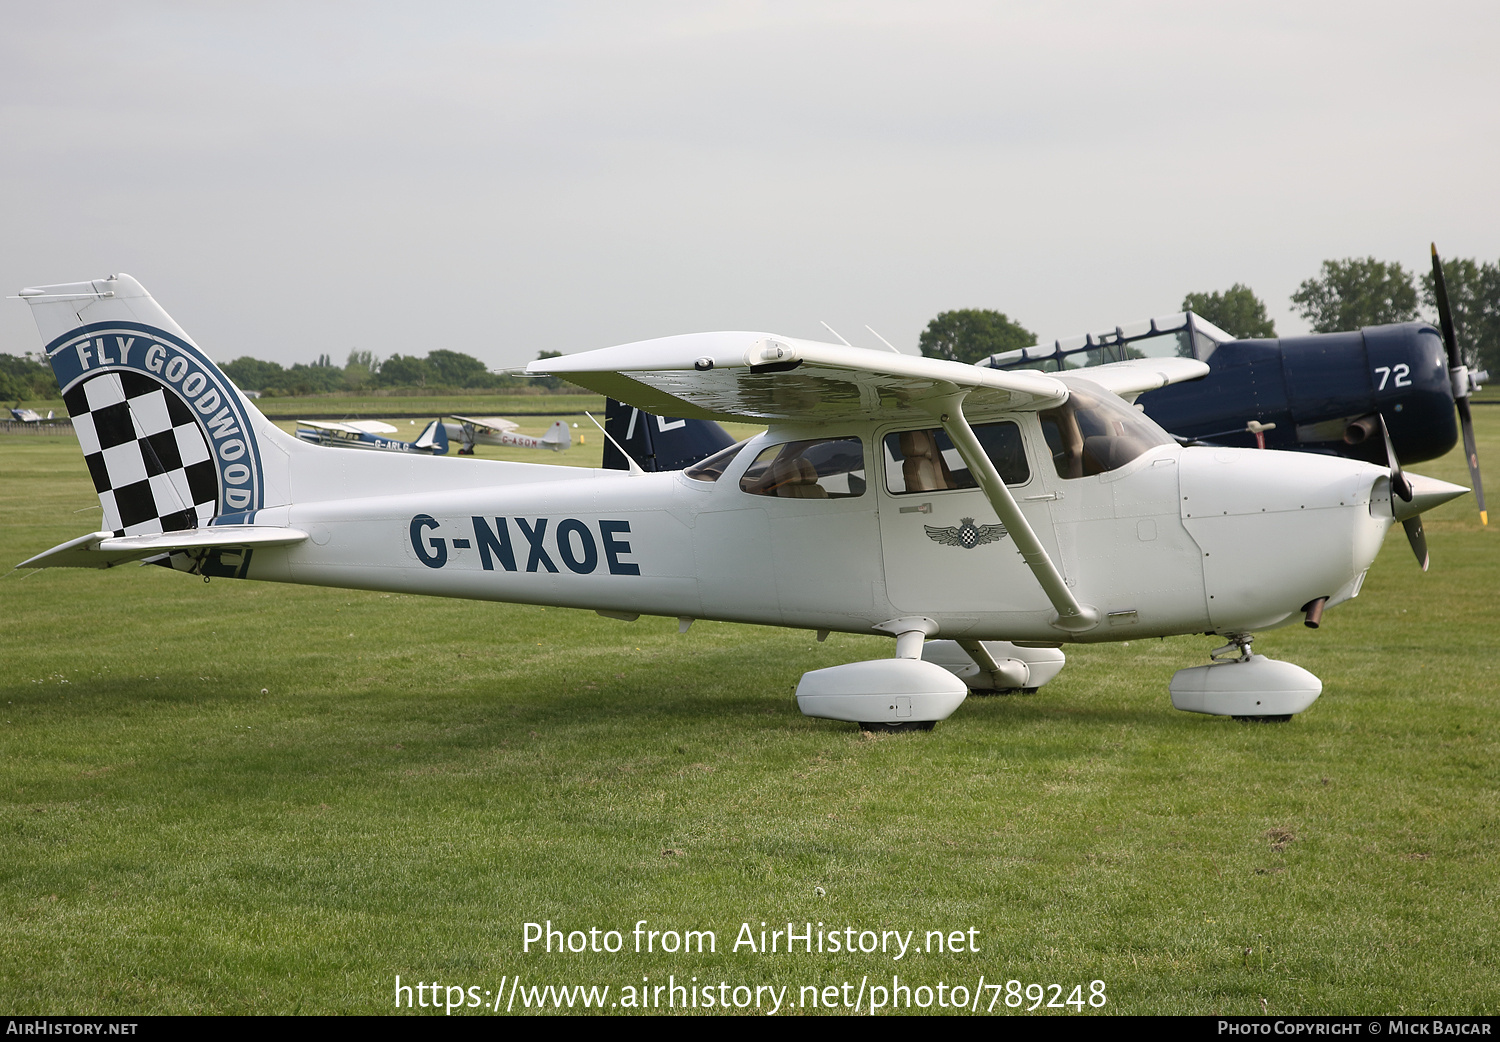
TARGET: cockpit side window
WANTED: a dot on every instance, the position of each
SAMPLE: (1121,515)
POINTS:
(926,461)
(828,468)
(713,468)
(1095,431)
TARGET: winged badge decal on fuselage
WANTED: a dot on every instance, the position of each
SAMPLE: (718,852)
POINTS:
(966,534)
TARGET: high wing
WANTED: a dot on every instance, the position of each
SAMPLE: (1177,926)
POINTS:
(372,426)
(762,378)
(105,549)
(354,427)
(487,423)
(1135,376)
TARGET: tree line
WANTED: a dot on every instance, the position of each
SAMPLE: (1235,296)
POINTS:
(439,370)
(1344,295)
(24,378)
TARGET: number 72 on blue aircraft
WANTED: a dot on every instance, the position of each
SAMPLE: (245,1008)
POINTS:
(981,518)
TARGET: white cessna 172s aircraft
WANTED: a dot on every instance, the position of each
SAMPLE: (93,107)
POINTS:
(906,496)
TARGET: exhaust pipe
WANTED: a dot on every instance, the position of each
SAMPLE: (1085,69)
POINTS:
(1314,610)
(1360,430)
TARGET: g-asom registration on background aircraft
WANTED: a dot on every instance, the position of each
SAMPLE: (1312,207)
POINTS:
(493,430)
(904,496)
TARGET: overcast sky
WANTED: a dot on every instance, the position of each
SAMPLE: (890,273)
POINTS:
(502,179)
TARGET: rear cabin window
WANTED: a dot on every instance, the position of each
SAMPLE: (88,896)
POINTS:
(829,468)
(926,461)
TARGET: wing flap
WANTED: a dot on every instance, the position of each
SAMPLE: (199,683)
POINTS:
(106,550)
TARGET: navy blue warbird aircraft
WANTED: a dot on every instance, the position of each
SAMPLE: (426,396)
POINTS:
(1326,392)
(657,443)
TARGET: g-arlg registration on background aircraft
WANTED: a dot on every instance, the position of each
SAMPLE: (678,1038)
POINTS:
(1072,518)
(371,434)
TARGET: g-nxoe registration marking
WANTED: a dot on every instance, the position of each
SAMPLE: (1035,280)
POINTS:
(573,541)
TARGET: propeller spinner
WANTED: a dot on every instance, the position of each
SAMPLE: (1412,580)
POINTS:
(1412,495)
(1459,374)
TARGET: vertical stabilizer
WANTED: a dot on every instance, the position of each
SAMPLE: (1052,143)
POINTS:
(434,439)
(658,443)
(170,442)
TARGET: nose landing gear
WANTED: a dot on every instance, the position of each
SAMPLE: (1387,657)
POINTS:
(1244,685)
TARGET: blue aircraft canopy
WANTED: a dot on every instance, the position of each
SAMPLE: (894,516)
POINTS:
(1183,335)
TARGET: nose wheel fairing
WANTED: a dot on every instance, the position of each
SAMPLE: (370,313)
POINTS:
(1253,687)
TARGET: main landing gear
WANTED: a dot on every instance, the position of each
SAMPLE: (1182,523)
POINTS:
(894,694)
(1244,685)
(926,681)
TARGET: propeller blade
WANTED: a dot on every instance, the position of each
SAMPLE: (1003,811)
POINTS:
(1445,312)
(1417,538)
(1399,484)
(1460,382)
(1471,453)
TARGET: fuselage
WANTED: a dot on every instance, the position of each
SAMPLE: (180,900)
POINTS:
(1313,391)
(1173,541)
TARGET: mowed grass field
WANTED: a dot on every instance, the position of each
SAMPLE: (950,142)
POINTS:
(249,798)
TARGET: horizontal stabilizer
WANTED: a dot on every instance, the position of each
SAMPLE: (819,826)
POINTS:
(105,549)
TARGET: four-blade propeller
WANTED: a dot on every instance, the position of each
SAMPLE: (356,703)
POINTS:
(1459,375)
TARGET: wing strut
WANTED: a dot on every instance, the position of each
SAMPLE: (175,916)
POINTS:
(1071,616)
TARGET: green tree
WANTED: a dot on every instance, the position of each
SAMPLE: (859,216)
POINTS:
(23,377)
(1474,297)
(1237,311)
(319,378)
(1353,293)
(403,371)
(454,369)
(971,334)
(360,370)
(251,374)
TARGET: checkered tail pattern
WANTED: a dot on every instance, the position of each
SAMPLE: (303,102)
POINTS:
(147,454)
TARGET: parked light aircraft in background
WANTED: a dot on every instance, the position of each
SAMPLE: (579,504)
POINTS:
(904,496)
(370,434)
(1326,392)
(492,430)
(29,416)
